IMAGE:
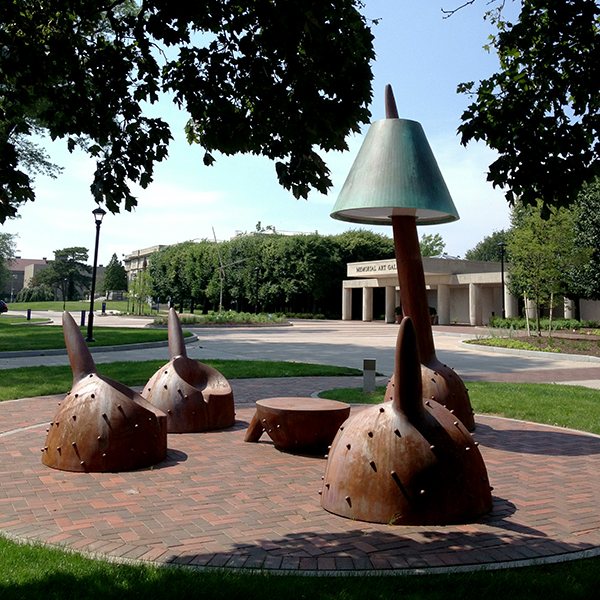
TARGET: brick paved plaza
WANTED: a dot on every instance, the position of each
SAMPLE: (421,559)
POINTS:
(220,502)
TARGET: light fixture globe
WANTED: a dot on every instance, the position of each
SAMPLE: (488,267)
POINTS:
(395,173)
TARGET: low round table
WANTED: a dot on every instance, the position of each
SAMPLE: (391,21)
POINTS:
(298,424)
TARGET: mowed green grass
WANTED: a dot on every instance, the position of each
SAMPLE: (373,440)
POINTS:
(26,382)
(34,573)
(45,337)
(570,406)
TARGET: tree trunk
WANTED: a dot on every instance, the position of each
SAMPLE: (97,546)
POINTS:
(527,315)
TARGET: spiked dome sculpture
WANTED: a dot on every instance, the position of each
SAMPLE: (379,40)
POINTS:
(395,180)
(406,462)
(102,425)
(194,396)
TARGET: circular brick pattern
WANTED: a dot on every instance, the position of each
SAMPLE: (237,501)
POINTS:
(218,501)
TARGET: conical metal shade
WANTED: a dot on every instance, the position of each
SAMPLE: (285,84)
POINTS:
(395,173)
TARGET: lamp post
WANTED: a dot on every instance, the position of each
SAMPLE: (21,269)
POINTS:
(64,294)
(98,216)
(12,288)
(502,245)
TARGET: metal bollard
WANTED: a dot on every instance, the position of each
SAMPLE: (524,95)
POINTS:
(29,314)
(83,318)
(369,375)
(104,308)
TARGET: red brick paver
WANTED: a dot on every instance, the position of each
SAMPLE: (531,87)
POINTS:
(217,501)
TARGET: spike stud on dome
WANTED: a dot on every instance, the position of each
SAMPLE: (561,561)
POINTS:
(395,180)
(194,396)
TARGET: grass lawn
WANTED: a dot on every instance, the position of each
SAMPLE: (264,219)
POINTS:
(563,405)
(48,337)
(26,382)
(31,573)
(76,305)
(12,320)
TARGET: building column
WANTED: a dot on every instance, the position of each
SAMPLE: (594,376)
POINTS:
(530,309)
(475,304)
(346,304)
(569,308)
(367,310)
(443,304)
(390,304)
(512,306)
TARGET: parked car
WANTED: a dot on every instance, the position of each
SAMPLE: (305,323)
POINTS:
(3,307)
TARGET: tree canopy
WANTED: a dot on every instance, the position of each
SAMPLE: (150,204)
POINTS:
(115,276)
(271,272)
(67,272)
(585,278)
(7,253)
(542,254)
(541,110)
(279,79)
(488,249)
(432,244)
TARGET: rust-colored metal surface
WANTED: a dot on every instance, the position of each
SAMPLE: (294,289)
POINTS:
(101,425)
(298,424)
(440,382)
(406,462)
(194,396)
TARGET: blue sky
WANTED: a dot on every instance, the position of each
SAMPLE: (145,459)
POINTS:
(422,55)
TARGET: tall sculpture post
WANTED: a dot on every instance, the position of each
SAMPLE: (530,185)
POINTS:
(395,180)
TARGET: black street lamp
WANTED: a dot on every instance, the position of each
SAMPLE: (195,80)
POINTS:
(64,293)
(98,216)
(502,246)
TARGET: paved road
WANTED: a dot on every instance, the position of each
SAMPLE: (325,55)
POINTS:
(344,343)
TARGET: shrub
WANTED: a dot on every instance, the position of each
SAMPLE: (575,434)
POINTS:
(38,293)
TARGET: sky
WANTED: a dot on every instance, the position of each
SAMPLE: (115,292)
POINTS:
(422,55)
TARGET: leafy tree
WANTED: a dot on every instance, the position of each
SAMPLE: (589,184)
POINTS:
(585,278)
(541,110)
(67,272)
(38,293)
(432,244)
(115,276)
(7,253)
(488,249)
(280,79)
(139,291)
(542,252)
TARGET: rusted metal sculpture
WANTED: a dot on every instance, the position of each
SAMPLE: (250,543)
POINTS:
(194,396)
(395,180)
(101,425)
(298,424)
(440,382)
(406,462)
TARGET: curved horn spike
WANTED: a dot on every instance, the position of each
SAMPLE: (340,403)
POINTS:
(407,396)
(391,111)
(176,340)
(80,357)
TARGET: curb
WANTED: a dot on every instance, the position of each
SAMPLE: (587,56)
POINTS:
(124,347)
(536,353)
